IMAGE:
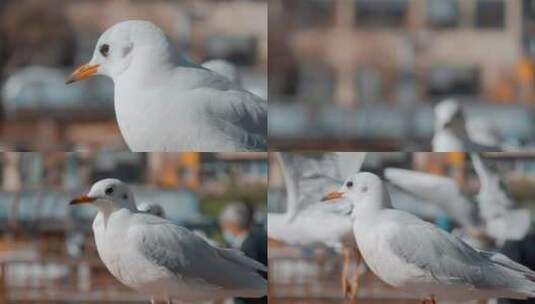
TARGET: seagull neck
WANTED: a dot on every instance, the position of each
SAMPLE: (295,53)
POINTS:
(107,209)
(481,170)
(147,68)
(371,205)
(459,129)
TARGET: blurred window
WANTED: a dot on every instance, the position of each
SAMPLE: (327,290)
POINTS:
(311,13)
(443,13)
(316,83)
(31,169)
(529,9)
(529,43)
(528,39)
(380,13)
(368,83)
(453,80)
(128,167)
(490,14)
(7,199)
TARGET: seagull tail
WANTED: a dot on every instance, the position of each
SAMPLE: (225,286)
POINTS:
(525,284)
(239,258)
(254,285)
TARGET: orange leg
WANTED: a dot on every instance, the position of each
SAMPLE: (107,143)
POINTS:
(355,277)
(345,266)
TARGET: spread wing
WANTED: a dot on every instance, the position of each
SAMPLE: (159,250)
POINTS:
(493,196)
(496,205)
(441,191)
(309,176)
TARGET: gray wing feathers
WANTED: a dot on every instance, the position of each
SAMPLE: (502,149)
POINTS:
(241,113)
(349,163)
(184,254)
(496,205)
(239,258)
(504,261)
(449,260)
(444,192)
(309,176)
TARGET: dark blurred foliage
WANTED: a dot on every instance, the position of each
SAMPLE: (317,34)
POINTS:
(35,32)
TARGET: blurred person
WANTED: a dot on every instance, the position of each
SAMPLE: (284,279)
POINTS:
(236,221)
(522,252)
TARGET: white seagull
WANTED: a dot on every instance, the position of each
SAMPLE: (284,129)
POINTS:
(421,259)
(165,103)
(441,191)
(307,221)
(164,261)
(494,214)
(497,207)
(451,133)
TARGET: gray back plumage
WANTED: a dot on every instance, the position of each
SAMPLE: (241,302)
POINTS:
(449,260)
(183,253)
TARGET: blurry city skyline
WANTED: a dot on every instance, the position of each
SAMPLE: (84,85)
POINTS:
(365,75)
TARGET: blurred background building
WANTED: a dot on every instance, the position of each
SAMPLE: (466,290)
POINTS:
(41,42)
(47,251)
(312,274)
(366,73)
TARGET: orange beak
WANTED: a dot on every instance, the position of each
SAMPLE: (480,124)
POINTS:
(332,196)
(82,200)
(83,72)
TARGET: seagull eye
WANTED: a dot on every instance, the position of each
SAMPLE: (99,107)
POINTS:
(125,196)
(109,191)
(349,184)
(105,50)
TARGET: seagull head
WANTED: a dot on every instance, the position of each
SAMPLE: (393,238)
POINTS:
(365,190)
(124,45)
(108,195)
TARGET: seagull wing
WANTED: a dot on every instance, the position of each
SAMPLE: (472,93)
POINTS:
(446,259)
(494,198)
(348,163)
(224,68)
(442,191)
(186,255)
(406,201)
(308,177)
(239,114)
(496,205)
(513,225)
